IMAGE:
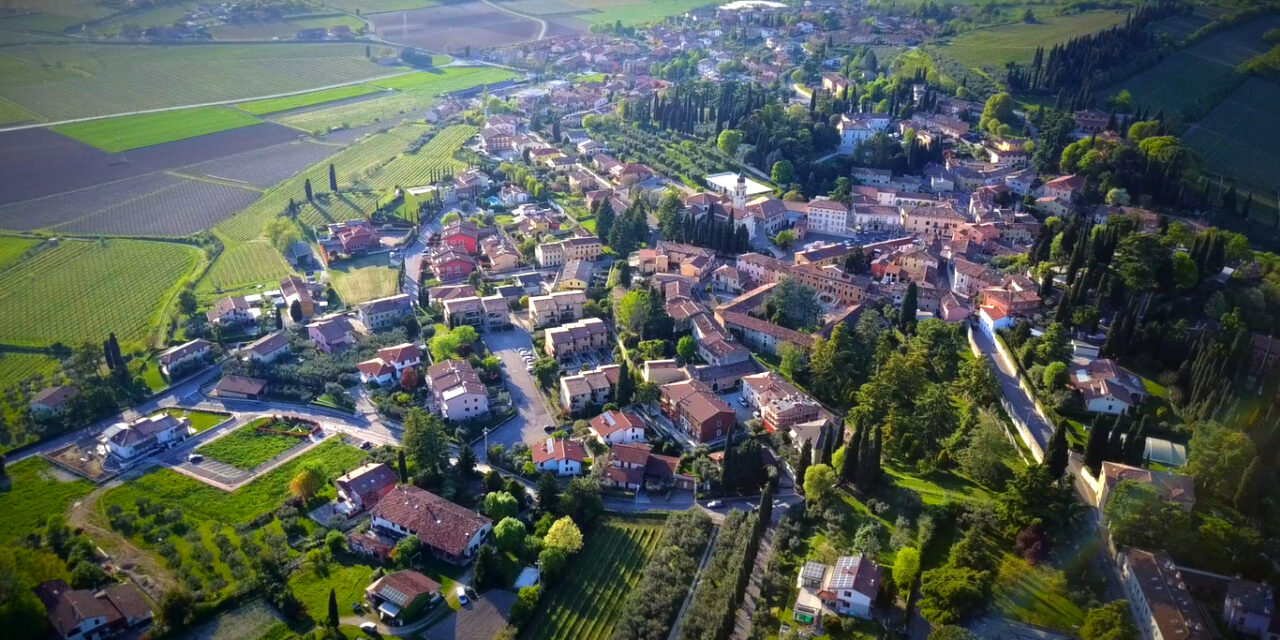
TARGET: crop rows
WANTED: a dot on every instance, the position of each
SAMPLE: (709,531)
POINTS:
(16,366)
(83,290)
(1229,149)
(276,105)
(264,167)
(248,263)
(143,130)
(588,604)
(434,157)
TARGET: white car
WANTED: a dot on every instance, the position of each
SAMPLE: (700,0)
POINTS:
(742,401)
(529,368)
(369,627)
(195,457)
(462,595)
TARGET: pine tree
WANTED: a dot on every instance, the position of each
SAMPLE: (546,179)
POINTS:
(1095,448)
(1057,456)
(403,468)
(907,315)
(333,609)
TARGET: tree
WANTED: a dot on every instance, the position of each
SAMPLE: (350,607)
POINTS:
(1218,459)
(907,315)
(728,141)
(1055,376)
(1057,455)
(978,382)
(488,569)
(952,632)
(499,505)
(308,481)
(333,179)
(546,371)
(1117,197)
(526,603)
(633,310)
(564,535)
(906,564)
(1185,273)
(509,535)
(1138,515)
(1095,448)
(402,467)
(409,379)
(333,597)
(552,561)
(465,467)
(548,493)
(783,173)
(784,238)
(425,441)
(997,111)
(295,311)
(793,361)
(983,459)
(626,385)
(176,609)
(604,220)
(1246,498)
(819,482)
(306,188)
(1110,621)
(949,594)
(793,305)
(405,550)
(686,348)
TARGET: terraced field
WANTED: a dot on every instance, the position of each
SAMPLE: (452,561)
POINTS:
(82,290)
(587,605)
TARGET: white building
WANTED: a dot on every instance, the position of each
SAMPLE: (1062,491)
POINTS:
(847,589)
(457,390)
(560,456)
(828,216)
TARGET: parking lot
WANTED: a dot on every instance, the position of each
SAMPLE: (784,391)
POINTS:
(740,407)
(587,360)
(532,414)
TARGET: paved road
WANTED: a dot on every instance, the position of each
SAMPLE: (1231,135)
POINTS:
(531,412)
(1020,402)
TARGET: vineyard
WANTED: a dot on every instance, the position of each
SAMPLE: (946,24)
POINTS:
(83,290)
(18,366)
(12,248)
(687,160)
(588,603)
(248,263)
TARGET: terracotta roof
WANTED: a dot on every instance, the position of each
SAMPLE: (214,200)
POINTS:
(556,449)
(438,523)
(55,397)
(368,481)
(181,351)
(403,587)
(240,384)
(611,422)
(269,344)
(631,453)
(400,353)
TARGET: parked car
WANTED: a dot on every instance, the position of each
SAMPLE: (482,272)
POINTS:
(195,457)
(369,627)
(462,595)
(742,401)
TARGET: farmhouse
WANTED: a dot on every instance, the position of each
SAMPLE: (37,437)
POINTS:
(847,589)
(230,312)
(385,313)
(401,595)
(363,487)
(450,532)
(617,427)
(240,388)
(560,456)
(294,289)
(335,333)
(81,614)
(53,400)
(176,359)
(457,390)
(388,364)
(1106,387)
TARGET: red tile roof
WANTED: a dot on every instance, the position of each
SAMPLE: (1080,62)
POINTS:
(438,523)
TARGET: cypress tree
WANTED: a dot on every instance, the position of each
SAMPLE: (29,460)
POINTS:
(806,459)
(1095,449)
(1246,497)
(403,468)
(1057,455)
(333,610)
(333,179)
(1135,446)
(851,451)
(626,386)
(306,188)
(828,447)
(907,316)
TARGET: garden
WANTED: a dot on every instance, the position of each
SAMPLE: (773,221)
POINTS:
(259,441)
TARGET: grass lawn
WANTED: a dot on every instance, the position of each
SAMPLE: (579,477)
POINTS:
(125,283)
(243,505)
(143,130)
(444,80)
(588,602)
(363,279)
(200,420)
(1035,595)
(995,46)
(152,376)
(347,580)
(245,448)
(275,105)
(34,495)
(12,248)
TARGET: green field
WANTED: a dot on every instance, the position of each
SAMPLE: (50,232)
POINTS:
(375,6)
(243,505)
(16,366)
(588,602)
(144,130)
(630,12)
(347,581)
(82,290)
(81,80)
(245,448)
(276,105)
(248,263)
(283,29)
(200,420)
(996,46)
(34,495)
(363,279)
(444,80)
(1035,595)
(1228,149)
(12,248)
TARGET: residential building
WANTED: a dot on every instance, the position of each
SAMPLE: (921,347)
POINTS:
(661,372)
(575,275)
(633,466)
(970,278)
(389,363)
(458,392)
(385,313)
(350,238)
(269,348)
(499,254)
(556,308)
(576,338)
(1063,188)
(1249,607)
(334,333)
(448,531)
(1171,487)
(858,128)
(485,314)
(582,248)
(450,263)
(692,407)
(402,595)
(187,354)
(363,487)
(1106,387)
(726,278)
(52,401)
(462,235)
(91,614)
(1162,607)
(757,333)
(549,254)
(780,403)
(232,312)
(295,289)
(560,456)
(144,435)
(469,184)
(588,388)
(835,84)
(828,216)
(617,427)
(240,388)
(937,221)
(876,217)
(847,589)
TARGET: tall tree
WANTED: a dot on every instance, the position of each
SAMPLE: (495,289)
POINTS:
(1057,455)
(626,385)
(907,315)
(425,441)
(1095,448)
(306,188)
(806,458)
(333,609)
(333,179)
(402,467)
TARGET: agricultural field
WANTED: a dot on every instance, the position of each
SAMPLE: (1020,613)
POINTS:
(276,105)
(445,80)
(283,29)
(38,492)
(117,285)
(458,26)
(132,132)
(12,248)
(76,81)
(11,113)
(363,279)
(995,46)
(376,6)
(263,167)
(246,448)
(1227,149)
(632,12)
(347,581)
(246,264)
(17,366)
(588,602)
(155,205)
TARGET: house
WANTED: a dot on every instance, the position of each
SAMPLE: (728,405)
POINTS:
(485,314)
(992,319)
(1249,607)
(588,388)
(459,394)
(450,532)
(450,263)
(461,234)
(334,333)
(1172,487)
(469,183)
(555,308)
(87,614)
(353,237)
(187,354)
(575,275)
(240,388)
(401,595)
(294,289)
(969,278)
(1162,607)
(385,313)
(661,372)
(576,338)
(389,363)
(512,195)
(617,427)
(781,404)
(363,487)
(128,441)
(630,173)
(499,254)
(847,589)
(1063,188)
(835,84)
(560,456)
(726,278)
(692,407)
(582,248)
(549,254)
(633,466)
(1106,387)
(268,348)
(493,141)
(828,216)
(53,400)
(231,312)
(938,221)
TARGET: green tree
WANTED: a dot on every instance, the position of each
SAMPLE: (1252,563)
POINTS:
(564,535)
(488,569)
(1185,273)
(633,310)
(333,597)
(784,238)
(307,482)
(1110,621)
(997,111)
(1218,459)
(552,560)
(1137,515)
(1055,376)
(546,371)
(950,594)
(728,141)
(819,482)
(952,632)
(907,314)
(978,382)
(509,535)
(295,311)
(686,348)
(783,173)
(793,305)
(425,441)
(906,565)
(524,606)
(405,550)
(793,361)
(499,505)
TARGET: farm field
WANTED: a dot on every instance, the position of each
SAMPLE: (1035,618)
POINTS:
(275,105)
(11,113)
(243,505)
(994,47)
(588,602)
(363,279)
(125,283)
(445,80)
(632,12)
(131,132)
(245,448)
(283,29)
(37,493)
(457,26)
(75,81)
(347,581)
(246,264)
(12,248)
(263,167)
(1228,149)
(375,6)
(175,207)
(16,366)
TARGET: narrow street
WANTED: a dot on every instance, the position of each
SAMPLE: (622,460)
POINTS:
(1021,406)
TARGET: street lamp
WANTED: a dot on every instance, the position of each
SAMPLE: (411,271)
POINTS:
(486,444)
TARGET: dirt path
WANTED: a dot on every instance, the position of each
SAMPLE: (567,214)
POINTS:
(142,567)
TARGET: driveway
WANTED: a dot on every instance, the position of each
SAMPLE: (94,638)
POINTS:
(531,412)
(1018,401)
